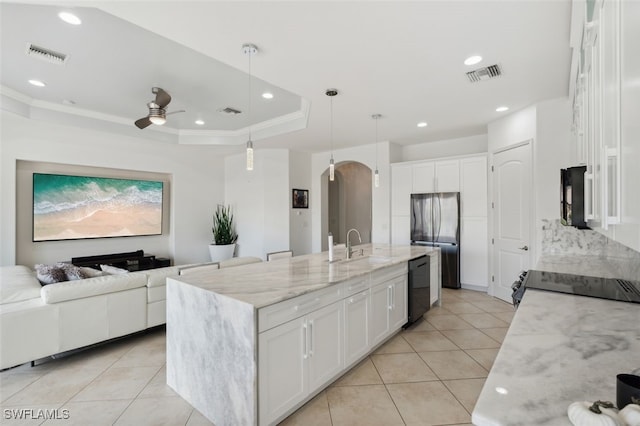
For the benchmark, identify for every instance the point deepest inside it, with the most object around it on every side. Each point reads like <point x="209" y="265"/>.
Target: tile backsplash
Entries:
<point x="567" y="240"/>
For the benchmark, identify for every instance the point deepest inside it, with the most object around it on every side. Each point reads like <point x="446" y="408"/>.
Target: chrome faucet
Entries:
<point x="349" y="251"/>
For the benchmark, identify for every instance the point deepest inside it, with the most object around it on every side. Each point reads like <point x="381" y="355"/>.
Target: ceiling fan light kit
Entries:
<point x="157" y="109"/>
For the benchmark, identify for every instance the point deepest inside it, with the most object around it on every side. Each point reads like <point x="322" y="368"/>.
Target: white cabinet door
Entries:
<point x="379" y="324"/>
<point x="357" y="313"/>
<point x="423" y="177"/>
<point x="281" y="366"/>
<point x="434" y="267"/>
<point x="473" y="187"/>
<point x="447" y="176"/>
<point x="398" y="303"/>
<point x="400" y="190"/>
<point x="400" y="230"/>
<point x="325" y="351"/>
<point x="474" y="252"/>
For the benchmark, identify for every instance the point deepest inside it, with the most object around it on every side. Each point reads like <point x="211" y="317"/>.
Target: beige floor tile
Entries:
<point x="10" y="384"/>
<point x="449" y="322"/>
<point x="497" y="334"/>
<point x="463" y="308"/>
<point x="118" y="383"/>
<point x="362" y="405"/>
<point x="364" y="373"/>
<point x="437" y="310"/>
<point x="495" y="305"/>
<point x="429" y="341"/>
<point x="168" y="411"/>
<point x="57" y="386"/>
<point x="421" y="325"/>
<point x="158" y="386"/>
<point x="427" y="403"/>
<point x="453" y="365"/>
<point x="27" y="415"/>
<point x="470" y="339"/>
<point x="483" y="320"/>
<point x="94" y="413"/>
<point x="484" y="357"/>
<point x="313" y="413"/>
<point x="471" y="295"/>
<point x="402" y="368"/>
<point x="466" y="391"/>
<point x="197" y="419"/>
<point x="504" y="316"/>
<point x="395" y="345"/>
<point x="144" y="355"/>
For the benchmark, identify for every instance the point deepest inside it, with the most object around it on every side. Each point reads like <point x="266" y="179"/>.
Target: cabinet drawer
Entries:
<point x="355" y="285"/>
<point x="386" y="274"/>
<point x="271" y="316"/>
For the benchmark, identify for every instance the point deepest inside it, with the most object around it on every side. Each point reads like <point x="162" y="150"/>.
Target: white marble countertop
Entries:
<point x="559" y="349"/>
<point x="266" y="283"/>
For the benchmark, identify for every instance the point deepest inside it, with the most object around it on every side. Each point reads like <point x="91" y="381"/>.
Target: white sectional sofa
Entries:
<point x="38" y="321"/>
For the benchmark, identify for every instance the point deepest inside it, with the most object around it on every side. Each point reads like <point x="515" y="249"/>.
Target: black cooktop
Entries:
<point x="603" y="288"/>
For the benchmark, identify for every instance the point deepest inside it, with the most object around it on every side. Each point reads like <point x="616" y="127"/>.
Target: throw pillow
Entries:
<point x="113" y="270"/>
<point x="72" y="271"/>
<point x="50" y="274"/>
<point x="90" y="272"/>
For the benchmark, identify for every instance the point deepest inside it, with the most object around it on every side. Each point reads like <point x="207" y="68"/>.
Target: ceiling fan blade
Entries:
<point x="162" y="97"/>
<point x="175" y="112"/>
<point x="143" y="122"/>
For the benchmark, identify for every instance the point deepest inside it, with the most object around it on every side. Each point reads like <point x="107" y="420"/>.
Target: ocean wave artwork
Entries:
<point x="76" y="207"/>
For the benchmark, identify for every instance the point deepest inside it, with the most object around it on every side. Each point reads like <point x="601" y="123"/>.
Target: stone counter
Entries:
<point x="561" y="348"/>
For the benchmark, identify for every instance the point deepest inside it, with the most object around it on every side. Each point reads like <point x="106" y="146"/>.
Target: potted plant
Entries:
<point x="224" y="234"/>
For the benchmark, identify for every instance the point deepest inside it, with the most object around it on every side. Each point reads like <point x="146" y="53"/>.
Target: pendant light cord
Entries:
<point x="250" y="90"/>
<point x="377" y="143"/>
<point x="331" y="122"/>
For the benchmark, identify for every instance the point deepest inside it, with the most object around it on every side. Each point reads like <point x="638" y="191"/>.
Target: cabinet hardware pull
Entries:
<point x="304" y="341"/>
<point x="355" y="286"/>
<point x="525" y="248"/>
<point x="311" y="338"/>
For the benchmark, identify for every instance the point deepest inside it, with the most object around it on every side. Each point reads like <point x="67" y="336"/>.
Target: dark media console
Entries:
<point x="131" y="261"/>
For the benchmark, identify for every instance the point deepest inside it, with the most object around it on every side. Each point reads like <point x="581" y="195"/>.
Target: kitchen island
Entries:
<point x="249" y="345"/>
<point x="559" y="349"/>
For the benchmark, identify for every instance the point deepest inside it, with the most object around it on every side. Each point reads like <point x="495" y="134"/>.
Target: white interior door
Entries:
<point x="512" y="194"/>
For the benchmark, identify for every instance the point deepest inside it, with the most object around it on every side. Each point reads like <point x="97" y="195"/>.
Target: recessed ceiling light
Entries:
<point x="422" y="124"/>
<point x="267" y="95"/>
<point x="200" y="122"/>
<point x="37" y="83"/>
<point x="502" y="109"/>
<point x="69" y="18"/>
<point x="472" y="60"/>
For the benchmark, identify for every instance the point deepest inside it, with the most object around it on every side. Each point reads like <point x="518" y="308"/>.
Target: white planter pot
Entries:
<point x="221" y="252"/>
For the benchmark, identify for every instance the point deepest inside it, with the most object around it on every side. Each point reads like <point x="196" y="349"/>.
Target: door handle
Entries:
<point x="525" y="248"/>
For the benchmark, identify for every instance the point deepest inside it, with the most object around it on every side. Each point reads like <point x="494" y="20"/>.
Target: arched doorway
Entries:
<point x="346" y="202"/>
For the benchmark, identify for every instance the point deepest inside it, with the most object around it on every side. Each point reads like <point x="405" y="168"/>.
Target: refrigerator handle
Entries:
<point x="439" y="218"/>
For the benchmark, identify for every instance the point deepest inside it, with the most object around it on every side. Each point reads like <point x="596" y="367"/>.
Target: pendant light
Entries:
<point x="249" y="49"/>
<point x="332" y="168"/>
<point x="376" y="175"/>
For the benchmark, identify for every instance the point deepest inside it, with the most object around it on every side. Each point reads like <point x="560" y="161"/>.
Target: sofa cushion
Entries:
<point x="158" y="277"/>
<point x="70" y="290"/>
<point x="113" y="270"/>
<point x="72" y="272"/>
<point x="18" y="283"/>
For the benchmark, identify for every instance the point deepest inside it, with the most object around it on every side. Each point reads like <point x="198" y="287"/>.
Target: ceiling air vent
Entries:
<point x="486" y="73"/>
<point x="229" y="110"/>
<point x="46" y="54"/>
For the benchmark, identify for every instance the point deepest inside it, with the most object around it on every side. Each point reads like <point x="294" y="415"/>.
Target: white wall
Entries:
<point x="299" y="219"/>
<point x="196" y="187"/>
<point x="381" y="210"/>
<point x="477" y="144"/>
<point x="511" y="129"/>
<point x="260" y="201"/>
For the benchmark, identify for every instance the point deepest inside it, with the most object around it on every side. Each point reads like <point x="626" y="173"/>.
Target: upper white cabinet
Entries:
<point x="606" y="104"/>
<point x="423" y="177"/>
<point x="473" y="187"/>
<point x="447" y="176"/>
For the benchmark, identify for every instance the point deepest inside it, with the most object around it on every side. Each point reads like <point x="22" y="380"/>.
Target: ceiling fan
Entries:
<point x="157" y="109"/>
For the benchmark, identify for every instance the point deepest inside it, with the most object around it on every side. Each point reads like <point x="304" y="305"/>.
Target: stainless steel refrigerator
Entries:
<point x="435" y="221"/>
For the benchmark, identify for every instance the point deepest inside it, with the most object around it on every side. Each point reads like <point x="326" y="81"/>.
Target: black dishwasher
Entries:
<point x="419" y="288"/>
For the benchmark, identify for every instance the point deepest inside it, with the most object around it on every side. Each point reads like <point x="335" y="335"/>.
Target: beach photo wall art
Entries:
<point x="77" y="207"/>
